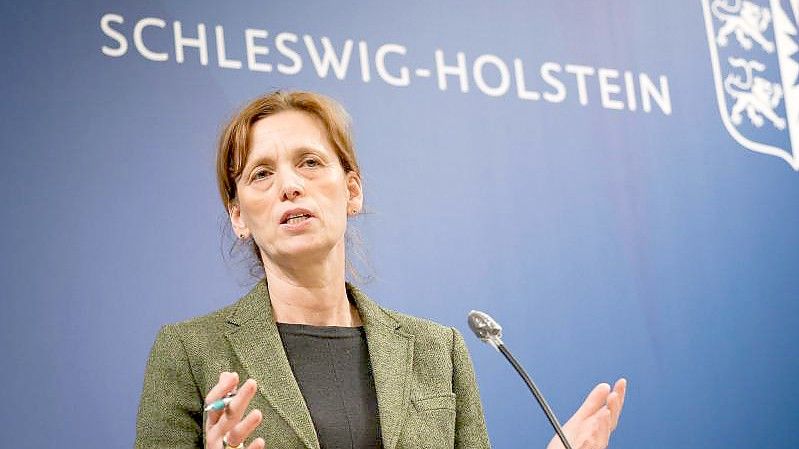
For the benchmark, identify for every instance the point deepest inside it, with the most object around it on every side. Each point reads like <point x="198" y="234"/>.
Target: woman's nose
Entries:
<point x="291" y="185"/>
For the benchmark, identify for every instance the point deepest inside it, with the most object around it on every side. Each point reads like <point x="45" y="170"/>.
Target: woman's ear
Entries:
<point x="355" y="190"/>
<point x="236" y="221"/>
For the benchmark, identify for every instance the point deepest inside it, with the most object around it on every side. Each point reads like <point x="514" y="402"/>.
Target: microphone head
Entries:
<point x="486" y="329"/>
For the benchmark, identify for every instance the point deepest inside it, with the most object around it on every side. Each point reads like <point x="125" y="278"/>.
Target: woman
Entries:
<point x="327" y="366"/>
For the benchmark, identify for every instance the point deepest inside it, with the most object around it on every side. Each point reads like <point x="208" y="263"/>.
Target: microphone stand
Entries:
<point x="489" y="331"/>
<point x="538" y="396"/>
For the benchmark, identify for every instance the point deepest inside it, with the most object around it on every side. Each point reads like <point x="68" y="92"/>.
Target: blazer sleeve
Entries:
<point x="171" y="406"/>
<point x="470" y="427"/>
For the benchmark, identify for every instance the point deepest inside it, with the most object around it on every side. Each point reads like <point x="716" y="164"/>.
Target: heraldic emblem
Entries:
<point x="755" y="56"/>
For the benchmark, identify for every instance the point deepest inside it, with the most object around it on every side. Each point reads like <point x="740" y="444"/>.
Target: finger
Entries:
<point x="596" y="399"/>
<point x="616" y="402"/>
<point x="242" y="430"/>
<point x="621" y="388"/>
<point x="614" y="405"/>
<point x="602" y="435"/>
<point x="259" y="443"/>
<point x="235" y="410"/>
<point x="227" y="383"/>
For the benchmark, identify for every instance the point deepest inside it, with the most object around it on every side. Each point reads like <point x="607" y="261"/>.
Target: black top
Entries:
<point x="331" y="365"/>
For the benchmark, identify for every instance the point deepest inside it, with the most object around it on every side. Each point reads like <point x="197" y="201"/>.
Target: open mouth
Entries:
<point x="294" y="219"/>
<point x="295" y="216"/>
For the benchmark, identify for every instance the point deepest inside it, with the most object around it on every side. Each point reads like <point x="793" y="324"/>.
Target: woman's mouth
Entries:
<point x="296" y="215"/>
<point x="294" y="219"/>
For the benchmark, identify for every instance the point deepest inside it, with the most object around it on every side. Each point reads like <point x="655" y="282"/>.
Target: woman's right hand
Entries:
<point x="230" y="421"/>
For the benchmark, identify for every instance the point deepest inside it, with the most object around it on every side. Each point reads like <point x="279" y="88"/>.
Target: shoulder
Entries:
<point x="254" y="303"/>
<point x="207" y="324"/>
<point x="421" y="327"/>
<point x="425" y="332"/>
<point x="434" y="338"/>
<point x="204" y="332"/>
<point x="373" y="312"/>
<point x="433" y="342"/>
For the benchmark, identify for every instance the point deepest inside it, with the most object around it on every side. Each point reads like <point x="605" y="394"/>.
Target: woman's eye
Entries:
<point x="260" y="174"/>
<point x="311" y="162"/>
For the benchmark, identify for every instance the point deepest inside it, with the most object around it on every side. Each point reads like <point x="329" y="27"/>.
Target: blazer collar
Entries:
<point x="256" y="341"/>
<point x="391" y="356"/>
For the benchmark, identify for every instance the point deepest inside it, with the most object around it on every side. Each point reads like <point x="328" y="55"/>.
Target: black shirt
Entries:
<point x="331" y="365"/>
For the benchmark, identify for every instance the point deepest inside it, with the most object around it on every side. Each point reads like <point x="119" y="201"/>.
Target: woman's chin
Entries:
<point x="306" y="250"/>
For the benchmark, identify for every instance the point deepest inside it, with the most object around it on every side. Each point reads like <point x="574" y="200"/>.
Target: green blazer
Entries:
<point x="426" y="389"/>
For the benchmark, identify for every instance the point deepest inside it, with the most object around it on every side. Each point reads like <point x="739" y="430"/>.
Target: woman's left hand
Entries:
<point x="595" y="420"/>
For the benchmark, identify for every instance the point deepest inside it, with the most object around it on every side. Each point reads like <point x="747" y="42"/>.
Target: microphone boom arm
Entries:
<point x="489" y="331"/>
<point x="538" y="396"/>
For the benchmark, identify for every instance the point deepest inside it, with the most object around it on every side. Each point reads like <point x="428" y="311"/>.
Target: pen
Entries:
<point x="219" y="404"/>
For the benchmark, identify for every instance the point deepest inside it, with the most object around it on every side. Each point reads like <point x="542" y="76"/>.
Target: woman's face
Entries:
<point x="293" y="195"/>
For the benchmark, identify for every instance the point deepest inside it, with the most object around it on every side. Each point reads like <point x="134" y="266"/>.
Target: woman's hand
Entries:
<point x="595" y="420"/>
<point x="228" y="422"/>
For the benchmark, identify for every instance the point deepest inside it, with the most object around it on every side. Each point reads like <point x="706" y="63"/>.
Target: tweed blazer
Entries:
<point x="426" y="389"/>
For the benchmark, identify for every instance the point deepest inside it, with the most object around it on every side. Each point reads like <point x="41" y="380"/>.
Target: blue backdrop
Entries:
<point x="577" y="169"/>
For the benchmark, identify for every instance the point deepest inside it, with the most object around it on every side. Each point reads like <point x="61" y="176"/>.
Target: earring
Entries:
<point x="241" y="236"/>
<point x="354" y="211"/>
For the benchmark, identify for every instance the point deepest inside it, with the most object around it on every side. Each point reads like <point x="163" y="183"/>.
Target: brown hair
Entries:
<point x="234" y="142"/>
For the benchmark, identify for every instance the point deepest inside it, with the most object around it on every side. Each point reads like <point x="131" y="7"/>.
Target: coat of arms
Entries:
<point x="755" y="65"/>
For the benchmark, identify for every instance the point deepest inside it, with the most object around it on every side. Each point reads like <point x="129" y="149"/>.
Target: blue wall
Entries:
<point x="627" y="236"/>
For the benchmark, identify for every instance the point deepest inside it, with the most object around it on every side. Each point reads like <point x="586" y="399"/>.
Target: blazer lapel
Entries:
<point x="391" y="356"/>
<point x="254" y="337"/>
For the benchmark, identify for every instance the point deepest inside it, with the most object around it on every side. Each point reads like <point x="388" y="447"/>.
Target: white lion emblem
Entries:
<point x="747" y="20"/>
<point x="755" y="95"/>
<point x="757" y="75"/>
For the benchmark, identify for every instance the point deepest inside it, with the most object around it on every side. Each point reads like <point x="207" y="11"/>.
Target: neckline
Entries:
<point x="320" y="331"/>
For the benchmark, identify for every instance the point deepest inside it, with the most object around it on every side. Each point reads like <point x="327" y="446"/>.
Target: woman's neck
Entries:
<point x="310" y="293"/>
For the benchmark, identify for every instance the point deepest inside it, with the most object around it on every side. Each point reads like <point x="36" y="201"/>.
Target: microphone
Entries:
<point x="489" y="331"/>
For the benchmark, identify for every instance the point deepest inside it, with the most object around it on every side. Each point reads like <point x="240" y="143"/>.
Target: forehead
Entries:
<point x="288" y="130"/>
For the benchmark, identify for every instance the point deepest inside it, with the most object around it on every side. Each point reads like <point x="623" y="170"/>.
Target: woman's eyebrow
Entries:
<point x="293" y="152"/>
<point x="259" y="160"/>
<point x="316" y="148"/>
